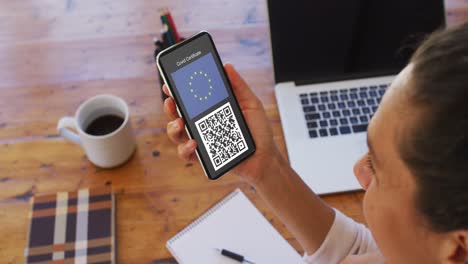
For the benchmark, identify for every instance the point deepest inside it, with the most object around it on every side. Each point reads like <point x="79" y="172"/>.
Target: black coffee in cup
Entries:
<point x="104" y="125"/>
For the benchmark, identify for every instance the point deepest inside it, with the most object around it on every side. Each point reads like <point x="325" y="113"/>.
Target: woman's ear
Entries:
<point x="362" y="172"/>
<point x="455" y="249"/>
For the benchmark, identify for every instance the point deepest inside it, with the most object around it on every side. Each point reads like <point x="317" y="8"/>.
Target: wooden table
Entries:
<point x="55" y="54"/>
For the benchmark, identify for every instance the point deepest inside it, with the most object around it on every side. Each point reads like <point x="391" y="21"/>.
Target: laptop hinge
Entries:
<point x="344" y="77"/>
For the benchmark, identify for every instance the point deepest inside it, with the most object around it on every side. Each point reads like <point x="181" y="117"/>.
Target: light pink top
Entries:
<point x="346" y="237"/>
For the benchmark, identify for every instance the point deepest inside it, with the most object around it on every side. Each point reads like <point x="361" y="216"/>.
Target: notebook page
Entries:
<point x="234" y="224"/>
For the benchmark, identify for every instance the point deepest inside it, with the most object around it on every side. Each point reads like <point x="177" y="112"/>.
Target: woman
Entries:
<point x="415" y="173"/>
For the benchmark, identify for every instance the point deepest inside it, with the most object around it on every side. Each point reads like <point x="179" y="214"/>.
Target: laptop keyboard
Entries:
<point x="341" y="112"/>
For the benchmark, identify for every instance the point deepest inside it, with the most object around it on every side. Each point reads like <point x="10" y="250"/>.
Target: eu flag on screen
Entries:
<point x="199" y="85"/>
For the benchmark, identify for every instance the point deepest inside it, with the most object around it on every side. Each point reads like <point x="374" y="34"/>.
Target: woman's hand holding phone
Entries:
<point x="251" y="170"/>
<point x="274" y="180"/>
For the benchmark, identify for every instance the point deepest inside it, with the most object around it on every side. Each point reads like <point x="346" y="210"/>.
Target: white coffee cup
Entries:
<point x="104" y="151"/>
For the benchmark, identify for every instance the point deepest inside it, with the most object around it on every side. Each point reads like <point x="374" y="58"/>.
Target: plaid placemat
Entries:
<point x="72" y="227"/>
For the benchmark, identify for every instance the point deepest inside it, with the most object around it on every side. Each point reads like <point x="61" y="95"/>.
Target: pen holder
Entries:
<point x="160" y="46"/>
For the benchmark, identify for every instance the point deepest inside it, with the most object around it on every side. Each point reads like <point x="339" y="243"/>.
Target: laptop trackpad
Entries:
<point x="327" y="165"/>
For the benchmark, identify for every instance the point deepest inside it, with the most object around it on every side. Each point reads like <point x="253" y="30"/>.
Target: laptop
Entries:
<point x="333" y="61"/>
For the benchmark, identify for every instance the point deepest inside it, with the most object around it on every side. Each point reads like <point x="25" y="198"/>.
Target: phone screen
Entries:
<point x="204" y="97"/>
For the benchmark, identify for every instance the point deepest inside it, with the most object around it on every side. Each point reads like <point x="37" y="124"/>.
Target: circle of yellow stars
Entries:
<point x="193" y="90"/>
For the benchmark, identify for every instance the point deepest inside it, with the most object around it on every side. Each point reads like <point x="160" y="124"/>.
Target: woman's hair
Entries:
<point x="436" y="150"/>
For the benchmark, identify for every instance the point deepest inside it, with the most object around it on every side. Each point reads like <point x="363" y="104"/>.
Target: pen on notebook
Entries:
<point x="233" y="256"/>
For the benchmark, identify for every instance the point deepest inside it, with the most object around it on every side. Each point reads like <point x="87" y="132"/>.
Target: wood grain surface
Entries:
<point x="55" y="54"/>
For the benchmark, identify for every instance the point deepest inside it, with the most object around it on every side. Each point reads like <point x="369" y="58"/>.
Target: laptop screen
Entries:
<point x="314" y="41"/>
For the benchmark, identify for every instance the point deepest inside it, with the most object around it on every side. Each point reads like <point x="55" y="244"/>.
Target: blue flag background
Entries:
<point x="200" y="85"/>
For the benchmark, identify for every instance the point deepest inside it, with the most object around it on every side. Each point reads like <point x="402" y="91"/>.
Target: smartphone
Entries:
<point x="195" y="76"/>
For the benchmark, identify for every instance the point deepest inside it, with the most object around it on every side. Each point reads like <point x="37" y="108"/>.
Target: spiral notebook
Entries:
<point x="234" y="224"/>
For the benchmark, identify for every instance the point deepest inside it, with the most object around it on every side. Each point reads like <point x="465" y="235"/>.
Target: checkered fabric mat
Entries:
<point x="72" y="227"/>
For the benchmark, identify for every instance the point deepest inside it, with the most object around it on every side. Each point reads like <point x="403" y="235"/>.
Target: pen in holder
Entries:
<point x="170" y="37"/>
<point x="160" y="46"/>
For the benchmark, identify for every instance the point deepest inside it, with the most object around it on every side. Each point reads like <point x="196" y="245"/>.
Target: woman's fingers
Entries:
<point x="166" y="90"/>
<point x="170" y="109"/>
<point x="186" y="150"/>
<point x="176" y="131"/>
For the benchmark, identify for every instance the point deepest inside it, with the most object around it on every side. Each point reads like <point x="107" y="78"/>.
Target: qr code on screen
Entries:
<point x="221" y="136"/>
